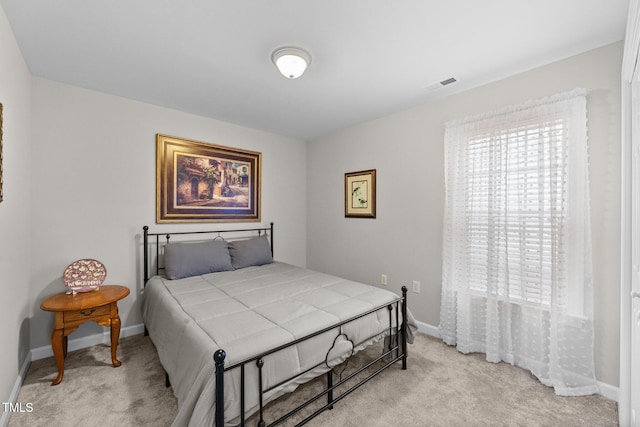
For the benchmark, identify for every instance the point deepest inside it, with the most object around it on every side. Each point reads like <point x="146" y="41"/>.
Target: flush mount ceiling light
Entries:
<point x="291" y="61"/>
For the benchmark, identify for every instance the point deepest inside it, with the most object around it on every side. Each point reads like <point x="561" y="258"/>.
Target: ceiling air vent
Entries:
<point x="448" y="81"/>
<point x="437" y="86"/>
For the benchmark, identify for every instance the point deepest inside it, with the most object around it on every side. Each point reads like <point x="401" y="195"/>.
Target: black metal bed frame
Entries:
<point x="396" y="349"/>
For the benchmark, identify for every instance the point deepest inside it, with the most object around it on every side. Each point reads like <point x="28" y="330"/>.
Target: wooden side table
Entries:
<point x="71" y="311"/>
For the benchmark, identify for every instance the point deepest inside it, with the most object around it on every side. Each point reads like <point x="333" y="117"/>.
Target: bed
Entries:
<point x="235" y="329"/>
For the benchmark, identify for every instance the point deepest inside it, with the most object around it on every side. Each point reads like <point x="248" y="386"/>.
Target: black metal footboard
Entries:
<point x="396" y="350"/>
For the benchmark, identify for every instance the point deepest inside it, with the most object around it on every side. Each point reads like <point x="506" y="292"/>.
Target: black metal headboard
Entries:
<point x="154" y="238"/>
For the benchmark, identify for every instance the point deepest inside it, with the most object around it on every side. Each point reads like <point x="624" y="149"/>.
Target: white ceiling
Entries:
<point x="370" y="57"/>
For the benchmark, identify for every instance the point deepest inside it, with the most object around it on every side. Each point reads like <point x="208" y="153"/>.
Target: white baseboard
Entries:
<point x="428" y="329"/>
<point x="88" y="341"/>
<point x="606" y="390"/>
<point x="609" y="391"/>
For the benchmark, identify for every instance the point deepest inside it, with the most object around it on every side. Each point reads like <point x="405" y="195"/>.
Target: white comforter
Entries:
<point x="246" y="312"/>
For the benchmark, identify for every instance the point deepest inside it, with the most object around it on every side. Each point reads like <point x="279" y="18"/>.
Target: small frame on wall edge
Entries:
<point x="360" y="194"/>
<point x="1" y="197"/>
<point x="201" y="182"/>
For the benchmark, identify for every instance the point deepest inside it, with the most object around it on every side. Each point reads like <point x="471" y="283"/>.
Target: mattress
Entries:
<point x="246" y="312"/>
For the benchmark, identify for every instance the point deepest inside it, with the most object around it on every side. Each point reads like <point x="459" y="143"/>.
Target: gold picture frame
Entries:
<point x="360" y="194"/>
<point x="201" y="182"/>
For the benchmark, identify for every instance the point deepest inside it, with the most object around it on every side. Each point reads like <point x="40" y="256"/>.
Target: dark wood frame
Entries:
<point x="201" y="182"/>
<point x="368" y="197"/>
<point x="396" y="349"/>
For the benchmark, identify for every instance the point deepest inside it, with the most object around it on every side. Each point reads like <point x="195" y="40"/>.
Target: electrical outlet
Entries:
<point x="416" y="286"/>
<point x="383" y="279"/>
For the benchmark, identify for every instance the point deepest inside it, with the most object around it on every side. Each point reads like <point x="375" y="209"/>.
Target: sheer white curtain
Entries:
<point x="516" y="280"/>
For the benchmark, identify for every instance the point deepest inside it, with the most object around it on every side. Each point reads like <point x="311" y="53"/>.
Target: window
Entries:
<point x="516" y="274"/>
<point x="515" y="207"/>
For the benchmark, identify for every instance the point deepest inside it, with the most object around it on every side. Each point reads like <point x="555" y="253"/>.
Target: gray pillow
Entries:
<point x="192" y="259"/>
<point x="249" y="252"/>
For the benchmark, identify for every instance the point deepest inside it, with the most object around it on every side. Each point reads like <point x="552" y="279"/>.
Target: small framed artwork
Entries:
<point x="202" y="182"/>
<point x="360" y="194"/>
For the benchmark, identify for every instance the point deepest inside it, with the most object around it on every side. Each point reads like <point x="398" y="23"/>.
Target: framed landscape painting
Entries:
<point x="202" y="182"/>
<point x="360" y="194"/>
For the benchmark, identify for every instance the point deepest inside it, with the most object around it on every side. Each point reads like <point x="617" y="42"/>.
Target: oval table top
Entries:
<point x="106" y="294"/>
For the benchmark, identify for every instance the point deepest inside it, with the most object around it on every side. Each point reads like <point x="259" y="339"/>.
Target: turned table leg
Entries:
<point x="115" y="335"/>
<point x="57" y="344"/>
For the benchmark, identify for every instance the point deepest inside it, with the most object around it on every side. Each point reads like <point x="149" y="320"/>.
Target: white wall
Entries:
<point x="405" y="239"/>
<point x="15" y="214"/>
<point x="93" y="168"/>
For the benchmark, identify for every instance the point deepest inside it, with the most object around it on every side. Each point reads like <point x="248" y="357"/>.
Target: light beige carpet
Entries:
<point x="441" y="388"/>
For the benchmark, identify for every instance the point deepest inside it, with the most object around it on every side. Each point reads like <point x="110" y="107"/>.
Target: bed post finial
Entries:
<point x="218" y="358"/>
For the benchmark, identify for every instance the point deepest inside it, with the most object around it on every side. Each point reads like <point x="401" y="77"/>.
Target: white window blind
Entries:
<point x="516" y="197"/>
<point x="516" y="280"/>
